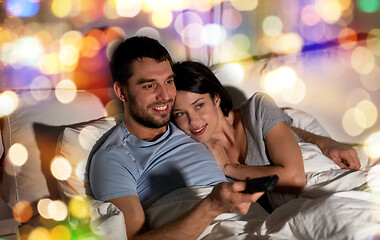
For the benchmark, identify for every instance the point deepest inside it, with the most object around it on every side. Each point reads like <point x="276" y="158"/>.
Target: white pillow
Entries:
<point x="76" y="144"/>
<point x="306" y="122"/>
<point x="313" y="158"/>
<point x="28" y="182"/>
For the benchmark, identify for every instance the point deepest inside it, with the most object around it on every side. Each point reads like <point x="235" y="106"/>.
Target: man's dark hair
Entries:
<point x="135" y="48"/>
<point x="196" y="77"/>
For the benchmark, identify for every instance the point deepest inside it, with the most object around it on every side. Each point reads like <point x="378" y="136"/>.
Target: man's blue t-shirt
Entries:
<point x="126" y="165"/>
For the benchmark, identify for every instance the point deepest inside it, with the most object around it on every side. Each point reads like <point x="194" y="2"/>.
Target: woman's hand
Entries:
<point x="217" y="149"/>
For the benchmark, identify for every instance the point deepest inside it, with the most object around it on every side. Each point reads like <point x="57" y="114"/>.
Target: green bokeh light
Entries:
<point x="368" y="6"/>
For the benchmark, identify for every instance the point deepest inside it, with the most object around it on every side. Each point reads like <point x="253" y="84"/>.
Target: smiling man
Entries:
<point x="146" y="156"/>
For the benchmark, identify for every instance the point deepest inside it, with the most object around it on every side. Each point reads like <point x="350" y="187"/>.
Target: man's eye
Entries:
<point x="148" y="86"/>
<point x="170" y="81"/>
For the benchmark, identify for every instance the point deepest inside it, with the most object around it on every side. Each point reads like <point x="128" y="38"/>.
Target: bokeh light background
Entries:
<point x="66" y="44"/>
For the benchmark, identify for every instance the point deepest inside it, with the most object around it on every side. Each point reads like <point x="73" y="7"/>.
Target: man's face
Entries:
<point x="150" y="93"/>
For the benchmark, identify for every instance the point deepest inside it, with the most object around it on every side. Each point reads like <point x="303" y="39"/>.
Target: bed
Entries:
<point x="335" y="204"/>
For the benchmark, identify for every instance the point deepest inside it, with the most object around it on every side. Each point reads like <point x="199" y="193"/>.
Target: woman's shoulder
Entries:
<point x="259" y="98"/>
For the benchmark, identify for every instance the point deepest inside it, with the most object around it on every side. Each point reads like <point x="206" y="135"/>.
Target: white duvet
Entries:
<point x="335" y="204"/>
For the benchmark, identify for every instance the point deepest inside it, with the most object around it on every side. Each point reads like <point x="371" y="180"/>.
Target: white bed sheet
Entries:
<point x="335" y="204"/>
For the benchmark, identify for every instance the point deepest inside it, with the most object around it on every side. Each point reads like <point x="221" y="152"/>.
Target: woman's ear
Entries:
<point x="119" y="91"/>
<point x="217" y="100"/>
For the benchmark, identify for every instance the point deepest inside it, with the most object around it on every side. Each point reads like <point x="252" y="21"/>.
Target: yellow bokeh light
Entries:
<point x="244" y="5"/>
<point x="174" y="5"/>
<point x="39" y="233"/>
<point x="279" y="79"/>
<point x="204" y="5"/>
<point x="296" y="93"/>
<point x="272" y="26"/>
<point x="113" y="107"/>
<point x="289" y="43"/>
<point x="42" y="207"/>
<point x="85" y="136"/>
<point x="73" y="38"/>
<point x="370" y="81"/>
<point x="69" y="55"/>
<point x="369" y="110"/>
<point x="9" y="102"/>
<point x="372" y="145"/>
<point x="241" y="42"/>
<point x="128" y="8"/>
<point x="373" y="41"/>
<point x="362" y="60"/>
<point x="57" y="210"/>
<point x="230" y="74"/>
<point x="60" y="232"/>
<point x="350" y="119"/>
<point x="60" y="168"/>
<point x="50" y="64"/>
<point x="79" y="206"/>
<point x="355" y="96"/>
<point x="81" y="170"/>
<point x="65" y="91"/>
<point x="37" y="87"/>
<point x="162" y="18"/>
<point x="6" y="36"/>
<point x="61" y="8"/>
<point x="18" y="154"/>
<point x="329" y="10"/>
<point x="109" y="9"/>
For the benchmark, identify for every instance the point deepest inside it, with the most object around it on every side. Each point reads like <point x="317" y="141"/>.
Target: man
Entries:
<point x="147" y="157"/>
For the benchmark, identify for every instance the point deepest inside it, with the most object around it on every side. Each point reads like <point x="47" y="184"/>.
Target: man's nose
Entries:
<point x="163" y="93"/>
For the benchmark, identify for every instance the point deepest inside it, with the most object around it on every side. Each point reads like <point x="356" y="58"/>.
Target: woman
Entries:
<point x="254" y="140"/>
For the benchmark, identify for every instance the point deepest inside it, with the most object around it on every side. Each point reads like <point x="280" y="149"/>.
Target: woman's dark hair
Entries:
<point x="135" y="48"/>
<point x="195" y="77"/>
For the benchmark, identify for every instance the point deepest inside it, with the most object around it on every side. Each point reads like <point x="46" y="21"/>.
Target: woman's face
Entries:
<point x="196" y="114"/>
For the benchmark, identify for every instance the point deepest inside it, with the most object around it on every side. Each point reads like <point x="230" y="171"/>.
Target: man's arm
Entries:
<point x="343" y="155"/>
<point x="225" y="197"/>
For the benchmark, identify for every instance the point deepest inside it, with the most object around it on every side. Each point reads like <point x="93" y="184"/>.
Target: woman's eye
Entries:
<point x="179" y="114"/>
<point x="199" y="105"/>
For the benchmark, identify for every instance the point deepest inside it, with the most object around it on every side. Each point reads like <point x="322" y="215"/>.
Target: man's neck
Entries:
<point x="143" y="132"/>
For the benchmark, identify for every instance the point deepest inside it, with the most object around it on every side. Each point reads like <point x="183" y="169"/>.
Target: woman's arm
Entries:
<point x="343" y="155"/>
<point x="287" y="159"/>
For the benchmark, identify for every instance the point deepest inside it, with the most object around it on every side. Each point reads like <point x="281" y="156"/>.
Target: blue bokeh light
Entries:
<point x="22" y="8"/>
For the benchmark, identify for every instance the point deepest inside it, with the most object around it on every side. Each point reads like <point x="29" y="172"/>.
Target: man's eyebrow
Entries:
<point x="171" y="76"/>
<point x="149" y="80"/>
<point x="145" y="80"/>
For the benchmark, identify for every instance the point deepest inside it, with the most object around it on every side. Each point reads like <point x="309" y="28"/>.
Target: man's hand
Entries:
<point x="227" y="198"/>
<point x="344" y="156"/>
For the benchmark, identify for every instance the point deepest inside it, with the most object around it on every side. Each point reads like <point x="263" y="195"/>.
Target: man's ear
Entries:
<point x="119" y="91"/>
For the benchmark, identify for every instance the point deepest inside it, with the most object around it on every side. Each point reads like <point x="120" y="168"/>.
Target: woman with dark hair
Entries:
<point x="254" y="140"/>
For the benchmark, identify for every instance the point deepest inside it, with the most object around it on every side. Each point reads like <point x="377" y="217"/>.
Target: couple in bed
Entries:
<point x="147" y="156"/>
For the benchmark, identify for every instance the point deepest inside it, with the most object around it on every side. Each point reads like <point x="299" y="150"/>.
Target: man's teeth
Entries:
<point x="161" y="108"/>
